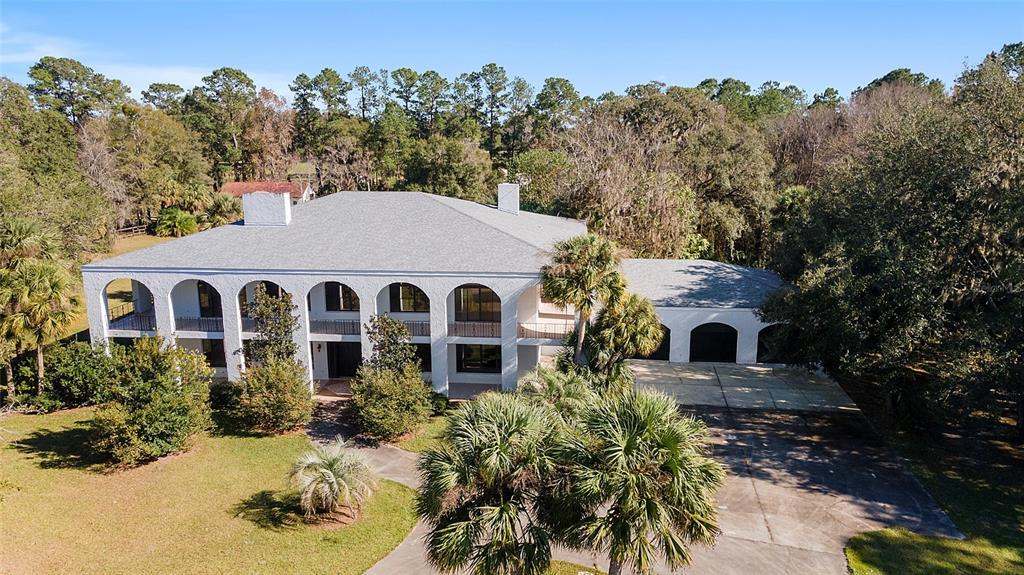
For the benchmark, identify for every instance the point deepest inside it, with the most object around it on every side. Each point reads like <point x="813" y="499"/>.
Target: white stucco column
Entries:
<point x="438" y="341"/>
<point x="301" y="333"/>
<point x="96" y="308"/>
<point x="232" y="316"/>
<point x="163" y="311"/>
<point x="367" y="309"/>
<point x="746" y="345"/>
<point x="509" y="347"/>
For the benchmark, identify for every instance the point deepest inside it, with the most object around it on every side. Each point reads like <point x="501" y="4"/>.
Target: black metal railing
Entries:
<point x="418" y="328"/>
<point x="117" y="312"/>
<point x="199" y="323"/>
<point x="545" y="330"/>
<point x="475" y="329"/>
<point x="135" y="322"/>
<point x="334" y="326"/>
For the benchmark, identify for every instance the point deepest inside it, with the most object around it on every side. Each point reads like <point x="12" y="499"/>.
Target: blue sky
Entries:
<point x="599" y="46"/>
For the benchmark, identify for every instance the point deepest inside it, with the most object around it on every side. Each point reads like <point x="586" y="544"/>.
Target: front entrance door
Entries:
<point x="343" y="358"/>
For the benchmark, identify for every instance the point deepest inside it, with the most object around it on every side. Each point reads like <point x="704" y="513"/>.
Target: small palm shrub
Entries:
<point x="175" y="222"/>
<point x="387" y="403"/>
<point x="330" y="478"/>
<point x="158" y="403"/>
<point x="273" y="397"/>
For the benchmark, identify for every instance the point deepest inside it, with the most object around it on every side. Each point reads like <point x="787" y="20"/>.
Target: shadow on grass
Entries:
<point x="271" y="510"/>
<point x="900" y="551"/>
<point x="64" y="448"/>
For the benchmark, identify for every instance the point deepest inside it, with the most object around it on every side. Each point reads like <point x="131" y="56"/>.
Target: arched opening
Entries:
<point x="474" y="310"/>
<point x="196" y="306"/>
<point x="129" y="305"/>
<point x="333" y="309"/>
<point x="408" y="304"/>
<point x="663" y="348"/>
<point x="769" y="344"/>
<point x="714" y="342"/>
<point x="247" y="295"/>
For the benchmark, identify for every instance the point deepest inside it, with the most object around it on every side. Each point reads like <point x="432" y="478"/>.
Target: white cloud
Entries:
<point x="27" y="47"/>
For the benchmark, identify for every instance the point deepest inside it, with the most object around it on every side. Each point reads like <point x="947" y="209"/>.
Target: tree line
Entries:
<point x="894" y="212"/>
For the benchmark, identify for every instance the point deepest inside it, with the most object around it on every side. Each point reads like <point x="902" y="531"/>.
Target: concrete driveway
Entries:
<point x="805" y="473"/>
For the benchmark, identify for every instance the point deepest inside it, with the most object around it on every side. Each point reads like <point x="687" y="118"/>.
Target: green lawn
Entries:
<point x="978" y="479"/>
<point x="223" y="507"/>
<point x="427" y="436"/>
<point x="563" y="568"/>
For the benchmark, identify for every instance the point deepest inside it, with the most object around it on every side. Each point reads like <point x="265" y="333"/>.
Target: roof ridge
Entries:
<point x="434" y="197"/>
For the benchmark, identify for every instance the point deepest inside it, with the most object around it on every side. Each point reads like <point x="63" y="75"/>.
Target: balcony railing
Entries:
<point x="475" y="329"/>
<point x="335" y="326"/>
<point x="545" y="330"/>
<point x="418" y="328"/>
<point x="145" y="321"/>
<point x="248" y="324"/>
<point x="199" y="323"/>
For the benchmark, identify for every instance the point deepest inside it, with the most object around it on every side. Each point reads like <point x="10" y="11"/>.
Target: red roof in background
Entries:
<point x="238" y="188"/>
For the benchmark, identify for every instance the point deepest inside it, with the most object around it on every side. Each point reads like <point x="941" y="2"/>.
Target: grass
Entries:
<point x="976" y="477"/>
<point x="222" y="507"/>
<point x="427" y="436"/>
<point x="120" y="291"/>
<point x="563" y="568"/>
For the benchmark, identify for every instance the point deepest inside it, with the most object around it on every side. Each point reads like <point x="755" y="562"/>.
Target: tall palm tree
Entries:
<point x="627" y="328"/>
<point x="41" y="303"/>
<point x="483" y="491"/>
<point x="331" y="477"/>
<point x="567" y="393"/>
<point x="583" y="273"/>
<point x="8" y="351"/>
<point x="640" y="475"/>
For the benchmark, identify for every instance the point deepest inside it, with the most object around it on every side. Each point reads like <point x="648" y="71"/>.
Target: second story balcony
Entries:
<point x="474" y="329"/>
<point x="334" y="326"/>
<point x="125" y="317"/>
<point x="207" y="324"/>
<point x="545" y="330"/>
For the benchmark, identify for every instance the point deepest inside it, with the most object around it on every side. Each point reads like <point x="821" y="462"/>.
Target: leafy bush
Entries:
<point x="273" y="397"/>
<point x="388" y="403"/>
<point x="158" y="403"/>
<point x="438" y="403"/>
<point x="331" y="477"/>
<point x="78" y="374"/>
<point x="175" y="222"/>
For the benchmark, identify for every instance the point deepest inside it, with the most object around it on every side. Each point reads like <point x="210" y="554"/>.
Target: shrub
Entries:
<point x="331" y="477"/>
<point x="78" y="374"/>
<point x="388" y="403"/>
<point x="438" y="403"/>
<point x="273" y="397"/>
<point x="158" y="403"/>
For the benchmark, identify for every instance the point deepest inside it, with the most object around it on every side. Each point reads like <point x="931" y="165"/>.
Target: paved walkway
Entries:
<point x="800" y="483"/>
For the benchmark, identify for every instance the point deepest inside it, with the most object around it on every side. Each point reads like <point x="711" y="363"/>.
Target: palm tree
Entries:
<point x="483" y="491"/>
<point x="21" y="241"/>
<point x="175" y="222"/>
<point x="331" y="477"/>
<point x="8" y="351"/>
<point x="584" y="272"/>
<point x="41" y="304"/>
<point x="643" y="482"/>
<point x="567" y="393"/>
<point x="626" y="328"/>
<point x="223" y="209"/>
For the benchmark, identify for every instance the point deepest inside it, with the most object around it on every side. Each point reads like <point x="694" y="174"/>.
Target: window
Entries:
<point x="423" y="353"/>
<point x="209" y="300"/>
<point x="478" y="358"/>
<point x="213" y="350"/>
<point x="407" y="297"/>
<point x="340" y="297"/>
<point x="477" y="303"/>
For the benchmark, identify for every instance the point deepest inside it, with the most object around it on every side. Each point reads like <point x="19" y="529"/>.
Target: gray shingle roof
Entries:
<point x="369" y="231"/>
<point x="699" y="283"/>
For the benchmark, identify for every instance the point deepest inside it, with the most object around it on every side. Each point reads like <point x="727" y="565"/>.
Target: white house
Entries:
<point x="464" y="277"/>
<point x="300" y="191"/>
